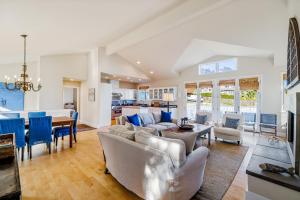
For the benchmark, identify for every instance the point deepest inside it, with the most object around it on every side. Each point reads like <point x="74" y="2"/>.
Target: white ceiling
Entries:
<point x="200" y="50"/>
<point x="238" y="28"/>
<point x="67" y="26"/>
<point x="165" y="35"/>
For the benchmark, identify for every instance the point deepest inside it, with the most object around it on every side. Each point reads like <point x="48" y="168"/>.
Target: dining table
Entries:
<point x="60" y="121"/>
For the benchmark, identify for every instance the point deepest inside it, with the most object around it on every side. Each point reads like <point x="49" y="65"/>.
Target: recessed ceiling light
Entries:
<point x="138" y="62"/>
<point x="151" y="72"/>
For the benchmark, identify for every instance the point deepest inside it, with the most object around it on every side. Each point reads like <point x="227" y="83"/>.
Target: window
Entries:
<point x="191" y="104"/>
<point x="205" y="89"/>
<point x="218" y="67"/>
<point x="227" y="88"/>
<point x="248" y="94"/>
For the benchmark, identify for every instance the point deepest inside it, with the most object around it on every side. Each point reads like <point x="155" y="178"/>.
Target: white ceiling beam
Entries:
<point x="183" y="13"/>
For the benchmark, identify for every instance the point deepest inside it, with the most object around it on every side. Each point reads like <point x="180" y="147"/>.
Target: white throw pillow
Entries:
<point x="122" y="131"/>
<point x="189" y="138"/>
<point x="172" y="147"/>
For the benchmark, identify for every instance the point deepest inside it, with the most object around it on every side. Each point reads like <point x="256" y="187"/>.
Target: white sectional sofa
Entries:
<point x="143" y="167"/>
<point x="150" y="120"/>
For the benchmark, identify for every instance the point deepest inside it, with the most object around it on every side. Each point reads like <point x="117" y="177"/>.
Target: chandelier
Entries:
<point x="23" y="82"/>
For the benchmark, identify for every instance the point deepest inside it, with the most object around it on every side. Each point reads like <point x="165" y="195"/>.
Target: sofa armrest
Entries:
<point x="197" y="158"/>
<point x="174" y="121"/>
<point x="218" y="124"/>
<point x="240" y="127"/>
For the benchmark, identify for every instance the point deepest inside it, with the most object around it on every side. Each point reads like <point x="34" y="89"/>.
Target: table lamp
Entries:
<point x="168" y="97"/>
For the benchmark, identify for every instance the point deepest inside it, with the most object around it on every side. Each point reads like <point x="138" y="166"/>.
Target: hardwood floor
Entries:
<point x="77" y="173"/>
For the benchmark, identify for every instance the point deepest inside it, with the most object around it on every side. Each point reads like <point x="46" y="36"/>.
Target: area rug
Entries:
<point x="84" y="127"/>
<point x="223" y="164"/>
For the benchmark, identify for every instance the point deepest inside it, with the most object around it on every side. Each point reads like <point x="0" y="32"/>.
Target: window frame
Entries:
<point x="216" y="69"/>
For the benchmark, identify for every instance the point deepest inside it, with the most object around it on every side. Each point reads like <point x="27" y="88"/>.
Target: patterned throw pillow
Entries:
<point x="157" y="117"/>
<point x="201" y="119"/>
<point x="122" y="131"/>
<point x="231" y="123"/>
<point x="189" y="138"/>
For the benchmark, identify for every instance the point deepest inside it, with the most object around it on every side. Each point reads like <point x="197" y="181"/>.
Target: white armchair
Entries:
<point x="230" y="133"/>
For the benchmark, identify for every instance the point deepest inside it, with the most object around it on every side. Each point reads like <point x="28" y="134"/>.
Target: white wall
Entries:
<point x="31" y="98"/>
<point x="89" y="110"/>
<point x="247" y="67"/>
<point x="294" y="9"/>
<point x="52" y="71"/>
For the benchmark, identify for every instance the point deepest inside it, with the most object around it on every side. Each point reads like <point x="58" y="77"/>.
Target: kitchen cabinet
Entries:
<point x="127" y="94"/>
<point x="151" y="94"/>
<point x="157" y="93"/>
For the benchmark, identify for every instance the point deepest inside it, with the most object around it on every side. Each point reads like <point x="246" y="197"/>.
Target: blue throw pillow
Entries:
<point x="134" y="119"/>
<point x="231" y="123"/>
<point x="201" y="119"/>
<point x="166" y="116"/>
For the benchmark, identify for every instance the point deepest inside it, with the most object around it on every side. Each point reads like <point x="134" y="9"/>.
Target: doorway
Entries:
<point x="71" y="95"/>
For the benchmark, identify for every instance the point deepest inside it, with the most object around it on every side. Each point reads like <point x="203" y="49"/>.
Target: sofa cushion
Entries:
<point x="134" y="119"/>
<point x="147" y="118"/>
<point x="157" y="127"/>
<point x="168" y="124"/>
<point x="227" y="131"/>
<point x="173" y="147"/>
<point x="157" y="117"/>
<point x="150" y="130"/>
<point x="189" y="138"/>
<point x="231" y="123"/>
<point x="122" y="131"/>
<point x="166" y="116"/>
<point x="130" y="126"/>
<point x="201" y="119"/>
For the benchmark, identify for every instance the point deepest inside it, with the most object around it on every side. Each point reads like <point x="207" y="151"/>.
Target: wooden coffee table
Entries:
<point x="199" y="129"/>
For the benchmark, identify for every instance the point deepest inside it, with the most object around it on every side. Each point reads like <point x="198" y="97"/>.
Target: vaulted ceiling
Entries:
<point x="234" y="28"/>
<point x="165" y="36"/>
<point x="67" y="26"/>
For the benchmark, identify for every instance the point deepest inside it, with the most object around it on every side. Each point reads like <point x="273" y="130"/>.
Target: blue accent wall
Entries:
<point x="11" y="100"/>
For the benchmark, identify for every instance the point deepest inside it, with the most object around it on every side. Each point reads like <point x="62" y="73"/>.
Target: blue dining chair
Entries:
<point x="5" y="115"/>
<point x="40" y="131"/>
<point x="65" y="130"/>
<point x="16" y="126"/>
<point x="36" y="114"/>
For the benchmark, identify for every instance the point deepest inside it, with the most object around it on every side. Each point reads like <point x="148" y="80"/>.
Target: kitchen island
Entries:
<point x="131" y="110"/>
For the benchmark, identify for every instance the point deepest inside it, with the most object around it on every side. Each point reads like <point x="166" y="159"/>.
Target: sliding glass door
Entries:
<point x="248" y="95"/>
<point x="206" y="96"/>
<point x="227" y="96"/>
<point x="191" y="103"/>
<point x="223" y="96"/>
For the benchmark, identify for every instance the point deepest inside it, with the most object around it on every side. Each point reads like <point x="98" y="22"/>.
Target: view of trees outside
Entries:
<point x="191" y="104"/>
<point x="227" y="98"/>
<point x="248" y="101"/>
<point x="206" y="99"/>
